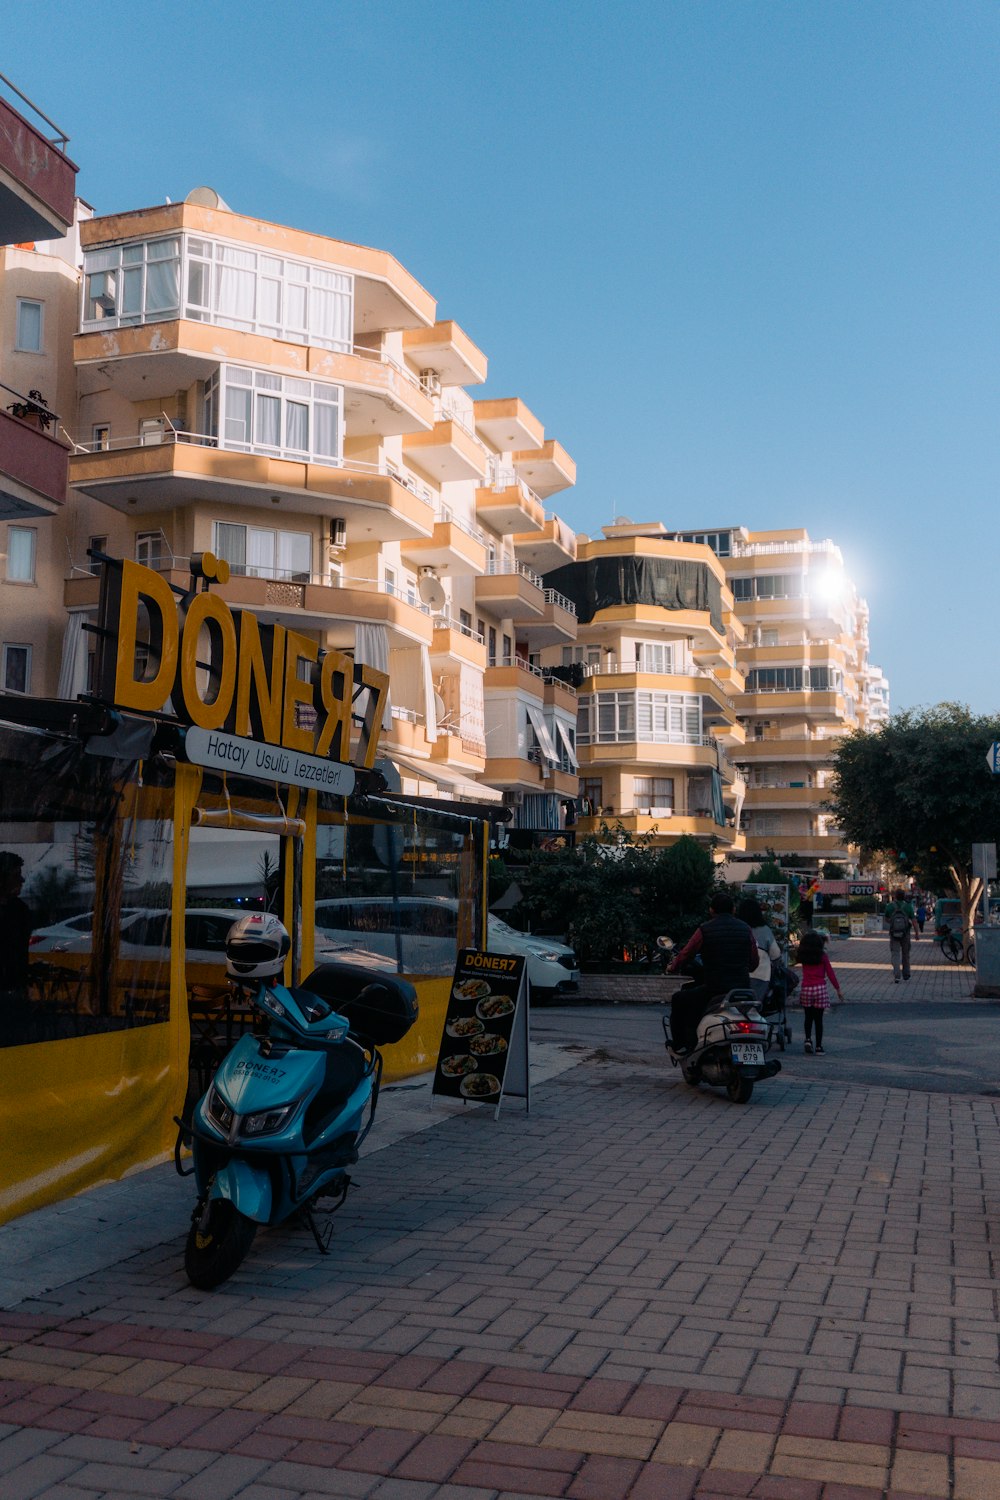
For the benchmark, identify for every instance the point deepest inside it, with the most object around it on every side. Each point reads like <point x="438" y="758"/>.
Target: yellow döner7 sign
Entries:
<point x="223" y="669"/>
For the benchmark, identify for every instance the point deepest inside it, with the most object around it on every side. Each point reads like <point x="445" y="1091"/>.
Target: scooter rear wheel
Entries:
<point x="217" y="1244"/>
<point x="739" y="1089"/>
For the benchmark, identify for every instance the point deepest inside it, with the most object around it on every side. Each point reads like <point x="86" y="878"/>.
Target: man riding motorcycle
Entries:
<point x="729" y="955"/>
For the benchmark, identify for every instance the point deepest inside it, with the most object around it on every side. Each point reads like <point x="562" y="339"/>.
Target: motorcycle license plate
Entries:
<point x="748" y="1052"/>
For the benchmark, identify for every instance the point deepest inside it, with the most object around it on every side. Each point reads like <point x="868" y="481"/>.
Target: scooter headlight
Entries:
<point x="218" y="1110"/>
<point x="267" y="1121"/>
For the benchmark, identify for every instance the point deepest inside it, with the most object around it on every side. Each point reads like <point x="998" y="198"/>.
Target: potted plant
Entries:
<point x="34" y="410"/>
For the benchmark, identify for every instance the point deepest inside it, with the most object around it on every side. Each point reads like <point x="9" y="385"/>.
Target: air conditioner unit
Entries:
<point x="535" y="756"/>
<point x="430" y="381"/>
<point x="338" y="532"/>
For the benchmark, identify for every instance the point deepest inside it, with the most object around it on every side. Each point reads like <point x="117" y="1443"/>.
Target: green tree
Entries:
<point x="917" y="792"/>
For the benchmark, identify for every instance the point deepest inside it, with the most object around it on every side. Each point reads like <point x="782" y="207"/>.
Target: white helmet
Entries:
<point x="256" y="946"/>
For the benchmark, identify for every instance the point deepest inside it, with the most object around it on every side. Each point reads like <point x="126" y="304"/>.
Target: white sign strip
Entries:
<point x="228" y="752"/>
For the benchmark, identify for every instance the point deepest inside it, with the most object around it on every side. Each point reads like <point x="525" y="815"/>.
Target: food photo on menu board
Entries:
<point x="478" y="1026"/>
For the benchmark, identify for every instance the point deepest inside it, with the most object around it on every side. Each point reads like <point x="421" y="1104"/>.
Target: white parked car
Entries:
<point x="419" y="934"/>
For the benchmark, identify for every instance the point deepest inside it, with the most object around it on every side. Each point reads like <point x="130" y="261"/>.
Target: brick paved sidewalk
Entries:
<point x="638" y="1290"/>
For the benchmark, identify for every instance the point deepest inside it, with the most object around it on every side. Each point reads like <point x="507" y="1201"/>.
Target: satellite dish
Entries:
<point x="206" y="197"/>
<point x="440" y="711"/>
<point x="430" y="590"/>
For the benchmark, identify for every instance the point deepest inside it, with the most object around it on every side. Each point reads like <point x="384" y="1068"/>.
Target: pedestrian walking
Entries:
<point x="901" y="925"/>
<point x="814" y="996"/>
<point x="921" y="915"/>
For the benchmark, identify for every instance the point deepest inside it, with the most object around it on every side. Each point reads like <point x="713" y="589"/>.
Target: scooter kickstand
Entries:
<point x="322" y="1237"/>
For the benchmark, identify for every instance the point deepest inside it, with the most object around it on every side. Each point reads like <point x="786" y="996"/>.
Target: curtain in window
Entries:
<point x="20" y="554"/>
<point x="73" y="669"/>
<point x="326" y="430"/>
<point x="236" y="280"/>
<point x="163" y="286"/>
<point x="267" y="429"/>
<point x="238" y="414"/>
<point x="294" y="555"/>
<point x="296" y="427"/>
<point x="371" y="646"/>
<point x="231" y="545"/>
<point x="260" y="553"/>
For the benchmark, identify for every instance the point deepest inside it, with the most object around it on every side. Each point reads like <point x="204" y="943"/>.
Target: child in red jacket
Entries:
<point x="814" y="997"/>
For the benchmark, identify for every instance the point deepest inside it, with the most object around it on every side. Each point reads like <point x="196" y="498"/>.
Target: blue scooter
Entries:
<point x="282" y="1120"/>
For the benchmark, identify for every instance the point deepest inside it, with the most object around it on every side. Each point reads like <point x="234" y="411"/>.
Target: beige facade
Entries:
<point x="295" y="405"/>
<point x="807" y="682"/>
<point x="655" y="667"/>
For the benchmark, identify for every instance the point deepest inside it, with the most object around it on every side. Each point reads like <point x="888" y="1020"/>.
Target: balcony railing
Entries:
<point x="59" y="138"/>
<point x="646" y="737"/>
<point x="504" y="563"/>
<point x="523" y="665"/>
<point x="552" y="596"/>
<point x="445" y="622"/>
<point x="775" y="549"/>
<point x="173" y="435"/>
<point x="506" y="479"/>
<point x="445" y="513"/>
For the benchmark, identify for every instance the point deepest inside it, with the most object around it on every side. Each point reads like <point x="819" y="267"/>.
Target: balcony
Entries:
<point x="557" y="624"/>
<point x="787" y="795"/>
<point x="547" y="468"/>
<point x="186" y="467"/>
<point x="663" y="829"/>
<point x="522" y="774"/>
<point x="806" y="846"/>
<point x="508" y="424"/>
<point x="509" y="589"/>
<point x="153" y="360"/>
<point x="316" y="603"/>
<point x="453" y="545"/>
<point x="548" y="548"/>
<point x="386" y="296"/>
<point x="33" y="466"/>
<point x="453" y="639"/>
<point x="447" y="452"/>
<point x="448" y="352"/>
<point x="508" y="506"/>
<point x="513" y="674"/>
<point x="808" y="750"/>
<point x="559" y="694"/>
<point x="37" y="178"/>
<point x="808" y="704"/>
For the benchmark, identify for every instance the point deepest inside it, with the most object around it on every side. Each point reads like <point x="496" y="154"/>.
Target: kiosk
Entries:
<point x="221" y="765"/>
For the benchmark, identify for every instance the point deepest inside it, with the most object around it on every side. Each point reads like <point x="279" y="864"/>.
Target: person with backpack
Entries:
<point x="901" y="924"/>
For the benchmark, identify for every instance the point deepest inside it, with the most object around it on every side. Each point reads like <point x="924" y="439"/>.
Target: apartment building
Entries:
<point x="655" y="667"/>
<point x="807" y="682"/>
<point x="37" y="319"/>
<point x="295" y="405"/>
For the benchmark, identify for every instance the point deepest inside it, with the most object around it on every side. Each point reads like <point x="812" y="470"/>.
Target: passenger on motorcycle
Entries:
<point x="729" y="954"/>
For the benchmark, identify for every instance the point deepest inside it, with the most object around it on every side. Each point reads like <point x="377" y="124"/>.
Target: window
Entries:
<point x="660" y="718"/>
<point x="257" y="552"/>
<point x="765" y="823"/>
<point x="465" y="619"/>
<point x="17" y="669"/>
<point x="151" y="549"/>
<point x="719" y="541"/>
<point x="492" y="646"/>
<point x="775" y="680"/>
<point x="779" y="586"/>
<point x="21" y="554"/>
<point x="652" y="791"/>
<point x="654" y="657"/>
<point x="28" y="338"/>
<point x="230" y="285"/>
<point x="390" y="580"/>
<point x="96" y="544"/>
<point x="768" y="638"/>
<point x="742" y="588"/>
<point x="100" y="436"/>
<point x="592" y="791"/>
<point x="255" y="411"/>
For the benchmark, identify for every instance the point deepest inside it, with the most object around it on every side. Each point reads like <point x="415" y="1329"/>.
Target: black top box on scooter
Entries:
<point x="381" y="1007"/>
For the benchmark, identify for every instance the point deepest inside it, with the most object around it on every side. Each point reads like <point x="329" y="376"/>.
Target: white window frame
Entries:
<point x="96" y="544"/>
<point x="19" y="345"/>
<point x="100" y="436"/>
<point x="8" y="647"/>
<point x="228" y="382"/>
<point x="298" y="283"/>
<point x="29" y="531"/>
<point x="256" y="535"/>
<point x="151" y="549"/>
<point x="640" y="717"/>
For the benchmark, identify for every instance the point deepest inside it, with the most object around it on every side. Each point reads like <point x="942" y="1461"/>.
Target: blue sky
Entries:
<point x="739" y="257"/>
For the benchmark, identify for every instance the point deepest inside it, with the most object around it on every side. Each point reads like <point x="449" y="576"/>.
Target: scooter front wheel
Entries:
<point x="739" y="1089"/>
<point x="217" y="1243"/>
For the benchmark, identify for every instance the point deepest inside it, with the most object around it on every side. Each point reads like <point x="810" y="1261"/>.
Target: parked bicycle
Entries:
<point x="952" y="948"/>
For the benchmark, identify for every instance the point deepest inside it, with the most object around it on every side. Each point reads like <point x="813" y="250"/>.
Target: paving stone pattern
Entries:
<point x="637" y="1292"/>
